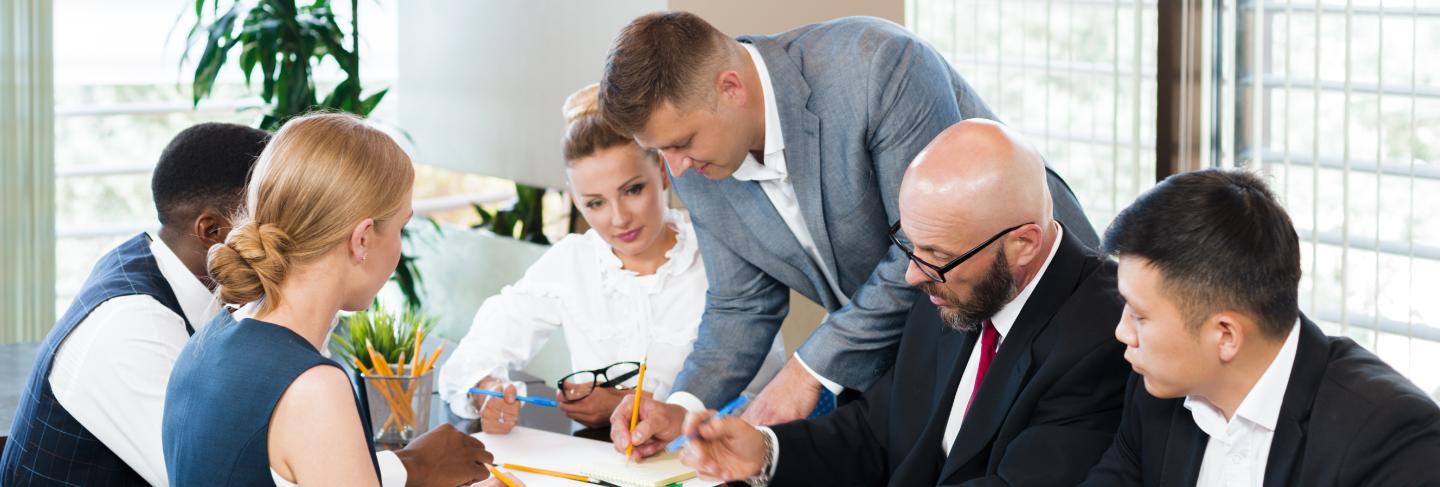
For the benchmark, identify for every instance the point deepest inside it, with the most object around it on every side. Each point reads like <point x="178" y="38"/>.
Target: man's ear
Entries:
<point x="1027" y="240"/>
<point x="1231" y="335"/>
<point x="731" y="88"/>
<point x="210" y="227"/>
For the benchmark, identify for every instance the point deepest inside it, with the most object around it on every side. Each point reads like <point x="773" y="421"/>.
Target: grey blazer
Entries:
<point x="858" y="99"/>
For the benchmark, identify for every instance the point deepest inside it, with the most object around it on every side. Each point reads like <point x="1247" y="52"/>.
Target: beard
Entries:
<point x="988" y="297"/>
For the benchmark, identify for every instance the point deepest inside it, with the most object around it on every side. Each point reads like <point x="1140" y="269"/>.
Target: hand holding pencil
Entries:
<point x="657" y="424"/>
<point x="723" y="448"/>
<point x="497" y="415"/>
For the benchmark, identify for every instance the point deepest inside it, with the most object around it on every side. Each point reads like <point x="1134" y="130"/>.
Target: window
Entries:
<point x="1330" y="99"/>
<point x="1076" y="77"/>
<point x="119" y="99"/>
<point x="1333" y="101"/>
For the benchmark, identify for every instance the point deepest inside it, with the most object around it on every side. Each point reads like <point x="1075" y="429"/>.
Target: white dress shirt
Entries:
<point x="774" y="180"/>
<point x="1239" y="448"/>
<point x="110" y="373"/>
<point x="608" y="315"/>
<point x="1002" y="321"/>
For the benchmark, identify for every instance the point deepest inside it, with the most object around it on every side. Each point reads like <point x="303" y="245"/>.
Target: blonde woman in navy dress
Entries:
<point x="253" y="402"/>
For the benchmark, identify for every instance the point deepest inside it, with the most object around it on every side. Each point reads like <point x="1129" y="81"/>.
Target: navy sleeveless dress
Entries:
<point x="222" y="393"/>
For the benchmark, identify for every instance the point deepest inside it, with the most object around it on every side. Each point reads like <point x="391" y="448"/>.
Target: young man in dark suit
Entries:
<point x="1007" y="372"/>
<point x="1235" y="387"/>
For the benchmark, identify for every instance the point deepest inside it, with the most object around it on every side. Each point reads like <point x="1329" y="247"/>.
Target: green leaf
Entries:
<point x="269" y="49"/>
<point x="368" y="104"/>
<point x="217" y="43"/>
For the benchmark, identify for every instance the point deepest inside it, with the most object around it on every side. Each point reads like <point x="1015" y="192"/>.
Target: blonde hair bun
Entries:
<point x="251" y="263"/>
<point x="319" y="176"/>
<point x="582" y="103"/>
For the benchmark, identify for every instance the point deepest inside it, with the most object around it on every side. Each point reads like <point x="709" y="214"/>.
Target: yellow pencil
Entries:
<point x="635" y="410"/>
<point x="552" y="473"/>
<point x="495" y="472"/>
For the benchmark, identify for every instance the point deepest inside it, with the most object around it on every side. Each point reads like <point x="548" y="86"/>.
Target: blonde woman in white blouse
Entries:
<point x="631" y="287"/>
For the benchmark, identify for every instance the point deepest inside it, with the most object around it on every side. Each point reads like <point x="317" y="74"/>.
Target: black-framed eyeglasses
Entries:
<point x="935" y="272"/>
<point x="579" y="385"/>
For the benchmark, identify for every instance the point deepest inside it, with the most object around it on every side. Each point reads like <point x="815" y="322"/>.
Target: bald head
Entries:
<point x="978" y="177"/>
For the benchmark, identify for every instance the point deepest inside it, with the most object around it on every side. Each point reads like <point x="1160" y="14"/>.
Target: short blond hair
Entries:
<point x="320" y="176"/>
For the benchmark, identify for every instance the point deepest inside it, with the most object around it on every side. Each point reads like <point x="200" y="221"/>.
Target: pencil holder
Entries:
<point x="399" y="406"/>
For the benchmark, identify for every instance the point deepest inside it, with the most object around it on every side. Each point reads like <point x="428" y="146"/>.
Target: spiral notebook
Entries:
<point x="657" y="471"/>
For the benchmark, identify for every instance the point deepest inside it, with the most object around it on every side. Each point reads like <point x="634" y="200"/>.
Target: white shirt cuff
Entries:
<point x="392" y="470"/>
<point x="774" y="454"/>
<point x="686" y="400"/>
<point x="834" y="387"/>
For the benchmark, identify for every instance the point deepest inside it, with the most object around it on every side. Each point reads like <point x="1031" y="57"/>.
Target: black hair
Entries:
<point x="1220" y="240"/>
<point x="205" y="166"/>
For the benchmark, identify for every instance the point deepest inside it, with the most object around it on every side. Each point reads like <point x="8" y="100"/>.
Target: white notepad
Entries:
<point x="565" y="453"/>
<point x="657" y="471"/>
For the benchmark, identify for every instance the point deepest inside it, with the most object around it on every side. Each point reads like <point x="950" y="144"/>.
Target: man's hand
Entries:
<point x="659" y="423"/>
<point x="595" y="409"/>
<point x="444" y="457"/>
<point x="726" y="449"/>
<point x="497" y="416"/>
<point x="791" y="395"/>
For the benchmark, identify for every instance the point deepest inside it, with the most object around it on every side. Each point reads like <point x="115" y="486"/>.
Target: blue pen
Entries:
<point x="734" y="405"/>
<point x="538" y="401"/>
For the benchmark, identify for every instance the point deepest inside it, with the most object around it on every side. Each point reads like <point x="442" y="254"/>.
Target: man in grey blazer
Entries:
<point x="798" y="141"/>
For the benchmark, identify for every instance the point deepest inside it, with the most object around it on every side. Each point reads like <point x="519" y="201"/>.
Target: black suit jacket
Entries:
<point x="1347" y="419"/>
<point x="1047" y="409"/>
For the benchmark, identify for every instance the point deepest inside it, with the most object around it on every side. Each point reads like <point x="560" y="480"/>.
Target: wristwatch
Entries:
<point x="767" y="468"/>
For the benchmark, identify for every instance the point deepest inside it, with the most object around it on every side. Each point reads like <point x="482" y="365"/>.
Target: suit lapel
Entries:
<point x="953" y="350"/>
<point x="751" y="204"/>
<point x="801" y="130"/>
<point x="1311" y="359"/>
<point x="1011" y="368"/>
<point x="1184" y="450"/>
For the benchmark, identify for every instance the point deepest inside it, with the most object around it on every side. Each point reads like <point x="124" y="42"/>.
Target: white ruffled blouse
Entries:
<point x="608" y="315"/>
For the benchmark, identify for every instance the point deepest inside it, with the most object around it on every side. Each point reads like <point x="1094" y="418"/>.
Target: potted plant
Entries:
<point x="386" y="349"/>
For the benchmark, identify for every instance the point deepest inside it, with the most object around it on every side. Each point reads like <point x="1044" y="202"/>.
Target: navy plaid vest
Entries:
<point x="47" y="446"/>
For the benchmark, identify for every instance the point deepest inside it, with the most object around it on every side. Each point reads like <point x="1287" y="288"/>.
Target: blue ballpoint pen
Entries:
<point x="538" y="401"/>
<point x="730" y="408"/>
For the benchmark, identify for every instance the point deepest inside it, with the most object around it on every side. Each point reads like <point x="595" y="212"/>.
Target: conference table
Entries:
<point x="545" y="419"/>
<point x="15" y="363"/>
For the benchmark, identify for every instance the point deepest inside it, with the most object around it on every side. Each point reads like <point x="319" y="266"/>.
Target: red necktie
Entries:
<point x="989" y="339"/>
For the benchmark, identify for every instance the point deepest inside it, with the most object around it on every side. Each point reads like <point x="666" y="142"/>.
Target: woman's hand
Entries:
<point x="497" y="416"/>
<point x="594" y="410"/>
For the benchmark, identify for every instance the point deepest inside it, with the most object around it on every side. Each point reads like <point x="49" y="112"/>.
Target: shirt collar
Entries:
<point x="774" y="166"/>
<point x="677" y="260"/>
<point x="198" y="303"/>
<point x="1005" y="318"/>
<point x="1261" y="405"/>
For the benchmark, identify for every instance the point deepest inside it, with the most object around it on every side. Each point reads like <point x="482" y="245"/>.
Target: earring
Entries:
<point x="362" y="258"/>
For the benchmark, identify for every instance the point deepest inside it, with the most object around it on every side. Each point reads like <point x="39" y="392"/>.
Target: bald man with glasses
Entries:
<point x="1008" y="372"/>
